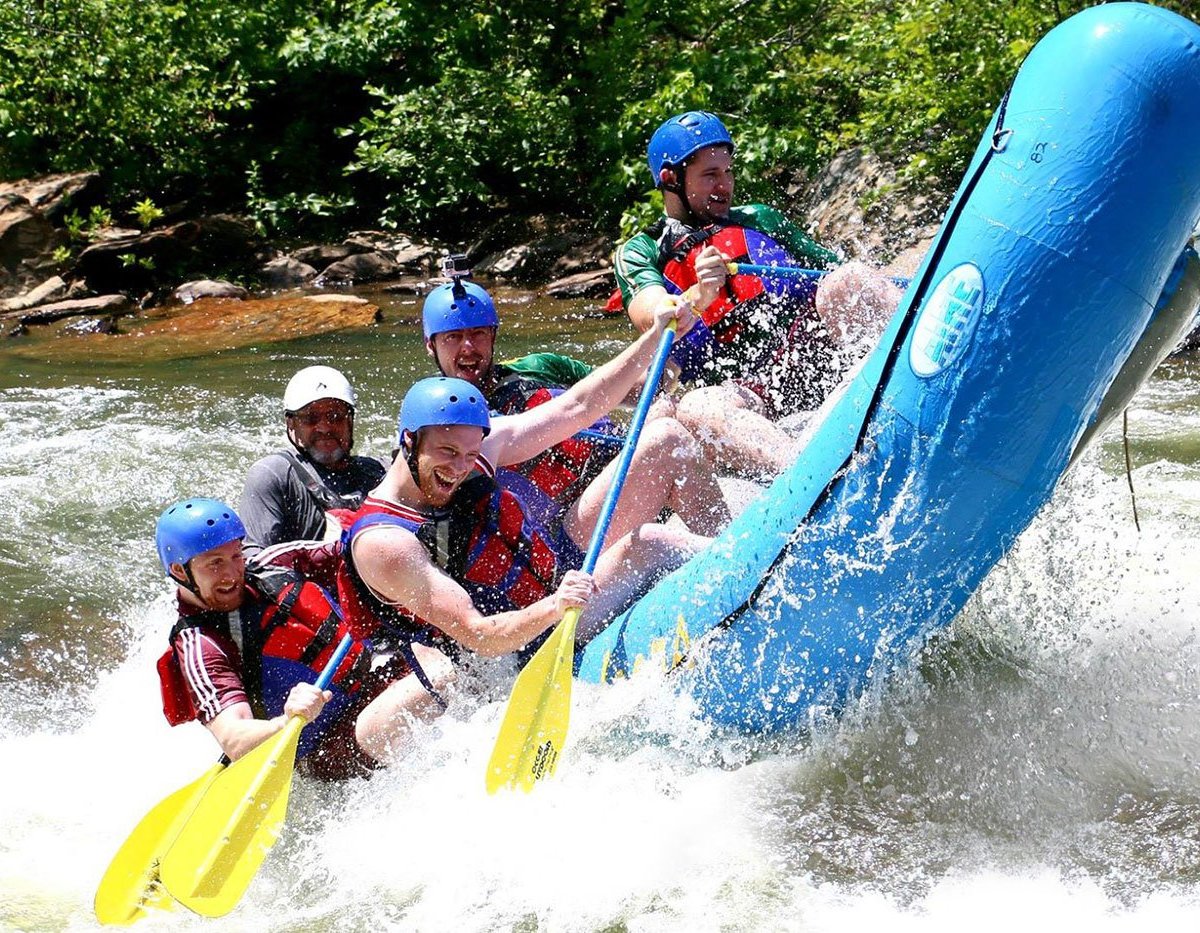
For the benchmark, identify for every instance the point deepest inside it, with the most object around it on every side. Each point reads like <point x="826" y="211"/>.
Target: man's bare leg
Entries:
<point x="669" y="470"/>
<point x="625" y="569"/>
<point x="730" y="423"/>
<point x="855" y="302"/>
<point x="384" y="729"/>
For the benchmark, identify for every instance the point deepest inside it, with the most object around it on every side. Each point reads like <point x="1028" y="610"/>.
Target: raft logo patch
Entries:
<point x="948" y="320"/>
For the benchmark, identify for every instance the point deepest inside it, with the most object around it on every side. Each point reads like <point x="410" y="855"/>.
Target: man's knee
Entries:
<point x="705" y="404"/>
<point x="854" y="301"/>
<point x="667" y="439"/>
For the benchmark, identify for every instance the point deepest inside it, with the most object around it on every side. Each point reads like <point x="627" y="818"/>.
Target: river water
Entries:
<point x="1035" y="769"/>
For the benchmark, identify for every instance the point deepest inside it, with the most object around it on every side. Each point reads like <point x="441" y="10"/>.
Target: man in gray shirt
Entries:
<point x="288" y="493"/>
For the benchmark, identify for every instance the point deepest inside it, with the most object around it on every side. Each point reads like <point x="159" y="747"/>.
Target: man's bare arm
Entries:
<point x="395" y="564"/>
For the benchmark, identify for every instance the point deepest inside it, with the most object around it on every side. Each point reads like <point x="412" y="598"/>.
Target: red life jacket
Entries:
<point x="761" y="330"/>
<point x="484" y="541"/>
<point x="289" y="629"/>
<point x="563" y="472"/>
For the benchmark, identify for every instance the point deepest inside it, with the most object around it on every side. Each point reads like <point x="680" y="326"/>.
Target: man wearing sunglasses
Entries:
<point x="288" y="494"/>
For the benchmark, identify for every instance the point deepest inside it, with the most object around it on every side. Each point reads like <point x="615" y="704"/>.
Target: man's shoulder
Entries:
<point x="640" y="242"/>
<point x="274" y="466"/>
<point x="761" y="217"/>
<point x="204" y="628"/>
<point x="553" y="370"/>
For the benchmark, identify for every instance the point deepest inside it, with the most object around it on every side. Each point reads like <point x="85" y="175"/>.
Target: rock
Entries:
<point x="529" y="262"/>
<point x="56" y="311"/>
<point x="361" y="267"/>
<point x="596" y="284"/>
<point x="50" y="290"/>
<point x="346" y="300"/>
<point x="25" y="232"/>
<point x="209" y="288"/>
<point x="54" y="195"/>
<point x="322" y="255"/>
<point x="858" y="205"/>
<point x="206" y="326"/>
<point x="419" y="257"/>
<point x="409" y="254"/>
<point x="286" y="271"/>
<point x="136" y="261"/>
<point x="419" y="288"/>
<point x="587" y="256"/>
<point x="92" y="325"/>
<point x="507" y="232"/>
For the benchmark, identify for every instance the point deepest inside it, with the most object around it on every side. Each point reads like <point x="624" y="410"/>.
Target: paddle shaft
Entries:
<point x="534" y="728"/>
<point x="649" y="387"/>
<point x="248" y="808"/>
<point x="790" y="272"/>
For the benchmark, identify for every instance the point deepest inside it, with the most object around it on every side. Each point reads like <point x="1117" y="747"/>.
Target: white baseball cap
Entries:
<point x="316" y="382"/>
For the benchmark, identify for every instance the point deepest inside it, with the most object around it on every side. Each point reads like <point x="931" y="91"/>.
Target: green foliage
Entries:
<point x="130" y="261"/>
<point x="146" y="212"/>
<point x="81" y="228"/>
<point x="410" y="112"/>
<point x="441" y="155"/>
<point x="147" y="92"/>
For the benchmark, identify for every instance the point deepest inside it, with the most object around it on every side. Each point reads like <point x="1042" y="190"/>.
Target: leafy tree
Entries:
<point x="418" y="113"/>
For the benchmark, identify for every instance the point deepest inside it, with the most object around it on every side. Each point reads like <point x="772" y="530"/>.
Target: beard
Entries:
<point x="223" y="602"/>
<point x="437" y="493"/>
<point x="328" y="458"/>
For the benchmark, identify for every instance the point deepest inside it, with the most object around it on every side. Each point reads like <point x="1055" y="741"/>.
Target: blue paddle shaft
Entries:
<point x="795" y="272"/>
<point x="653" y="377"/>
<point x="339" y="655"/>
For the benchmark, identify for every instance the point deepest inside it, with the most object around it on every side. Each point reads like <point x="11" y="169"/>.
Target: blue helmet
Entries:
<point x="191" y="527"/>
<point x="683" y="136"/>
<point x="458" y="306"/>
<point x="443" y="400"/>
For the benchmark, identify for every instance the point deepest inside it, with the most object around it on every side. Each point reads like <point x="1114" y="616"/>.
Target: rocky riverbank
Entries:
<point x="62" y="256"/>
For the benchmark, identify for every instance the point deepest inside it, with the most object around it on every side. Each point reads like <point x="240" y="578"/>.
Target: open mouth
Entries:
<point x="443" y="482"/>
<point x="468" y="370"/>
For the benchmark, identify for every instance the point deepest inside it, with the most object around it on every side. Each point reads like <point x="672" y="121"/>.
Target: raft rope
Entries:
<point x="1129" y="467"/>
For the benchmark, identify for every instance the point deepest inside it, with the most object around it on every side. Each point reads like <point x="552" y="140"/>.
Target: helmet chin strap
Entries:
<point x="676" y="187"/>
<point x="190" y="583"/>
<point x="410" y="455"/>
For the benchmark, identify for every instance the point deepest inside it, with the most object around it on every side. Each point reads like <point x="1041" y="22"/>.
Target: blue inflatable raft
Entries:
<point x="1060" y="277"/>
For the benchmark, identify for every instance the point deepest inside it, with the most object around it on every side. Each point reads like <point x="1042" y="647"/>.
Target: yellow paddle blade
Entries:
<point x="534" y="729"/>
<point x="217" y="854"/>
<point x="131" y="886"/>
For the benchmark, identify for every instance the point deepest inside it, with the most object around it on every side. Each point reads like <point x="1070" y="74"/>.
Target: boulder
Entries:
<point x="323" y="254"/>
<point x="56" y="311"/>
<point x="286" y="271"/>
<point x="92" y="325"/>
<point x="531" y="262"/>
<point x="50" y="290"/>
<point x="588" y="256"/>
<point x="209" y="288"/>
<point x="25" y="233"/>
<point x="137" y="261"/>
<point x="54" y="195"/>
<point x="507" y="232"/>
<point x="361" y="267"/>
<point x="859" y="206"/>
<point x="411" y="255"/>
<point x="598" y="283"/>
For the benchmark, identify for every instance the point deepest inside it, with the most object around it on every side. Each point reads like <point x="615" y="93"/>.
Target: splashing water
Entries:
<point x="1034" y="770"/>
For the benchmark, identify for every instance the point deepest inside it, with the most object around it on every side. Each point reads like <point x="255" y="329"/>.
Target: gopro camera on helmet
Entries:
<point x="455" y="267"/>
